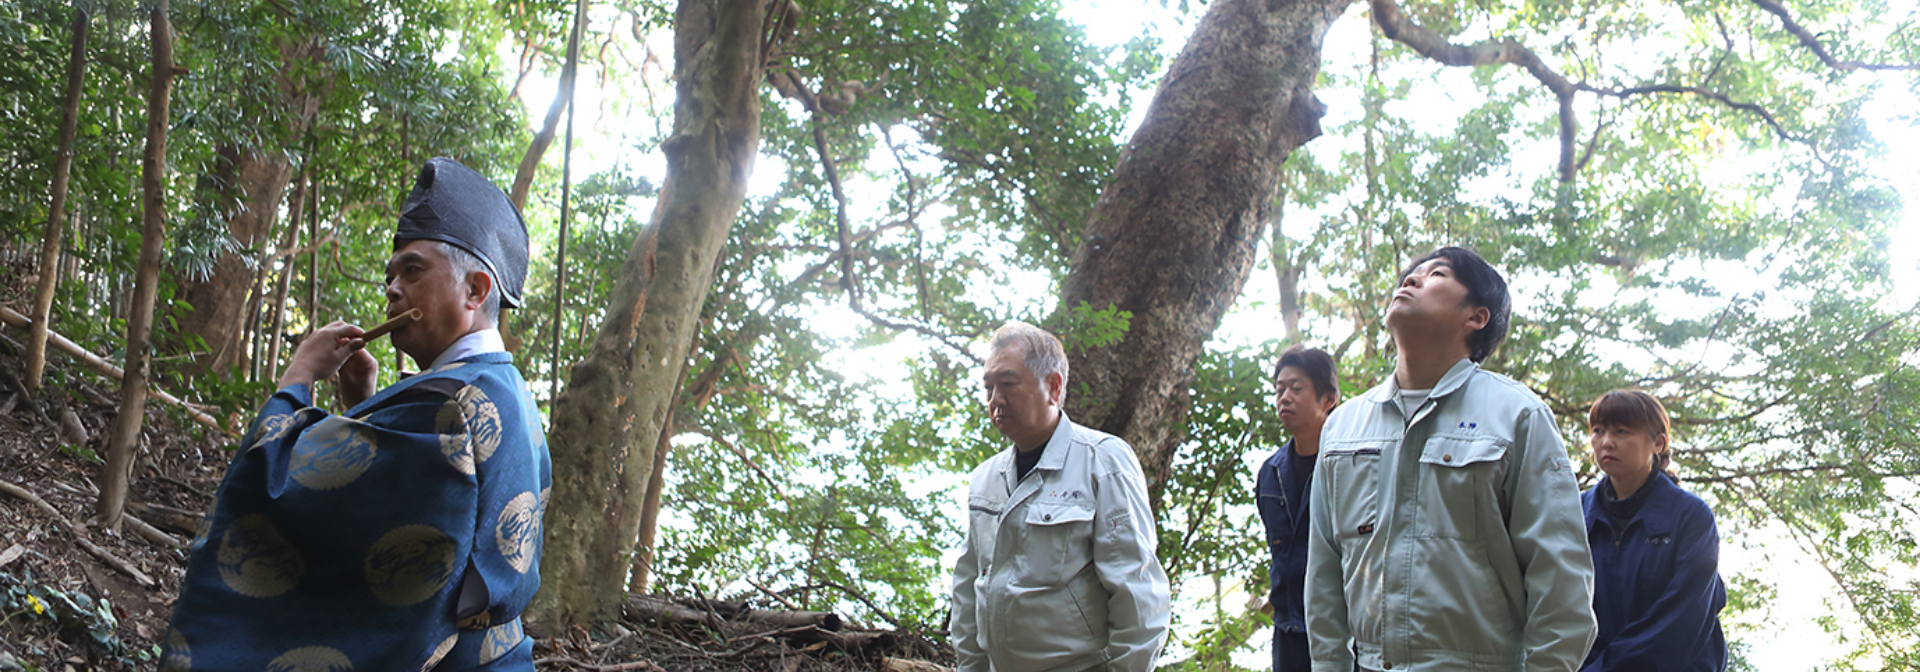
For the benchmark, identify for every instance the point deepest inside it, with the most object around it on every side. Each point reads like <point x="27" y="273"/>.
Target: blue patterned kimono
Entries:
<point x="349" y="542"/>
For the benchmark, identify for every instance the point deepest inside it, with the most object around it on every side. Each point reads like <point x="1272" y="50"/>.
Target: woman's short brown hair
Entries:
<point x="1637" y="410"/>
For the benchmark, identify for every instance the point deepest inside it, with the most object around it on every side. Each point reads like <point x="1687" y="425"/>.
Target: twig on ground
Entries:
<point x="776" y="596"/>
<point x="862" y="598"/>
<point x="79" y="537"/>
<point x="150" y="532"/>
<point x="648" y="666"/>
<point x="189" y="486"/>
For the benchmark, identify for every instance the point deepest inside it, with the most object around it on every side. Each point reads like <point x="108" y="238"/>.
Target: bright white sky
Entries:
<point x="1804" y="591"/>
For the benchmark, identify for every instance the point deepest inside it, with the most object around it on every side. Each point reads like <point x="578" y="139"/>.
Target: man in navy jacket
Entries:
<point x="1308" y="389"/>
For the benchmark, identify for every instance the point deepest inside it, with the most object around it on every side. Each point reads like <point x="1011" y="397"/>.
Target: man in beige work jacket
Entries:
<point x="1059" y="571"/>
<point x="1446" y="530"/>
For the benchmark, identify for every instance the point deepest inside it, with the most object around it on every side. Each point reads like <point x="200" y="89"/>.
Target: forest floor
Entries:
<point x="65" y="607"/>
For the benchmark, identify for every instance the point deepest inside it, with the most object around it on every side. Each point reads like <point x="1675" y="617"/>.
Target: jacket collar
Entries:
<point x="1055" y="457"/>
<point x="1280" y="456"/>
<point x="1454" y="379"/>
<point x="1655" y="515"/>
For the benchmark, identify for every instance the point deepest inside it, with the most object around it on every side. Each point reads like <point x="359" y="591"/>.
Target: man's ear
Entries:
<point x="479" y="285"/>
<point x="1056" y="389"/>
<point x="1478" y="318"/>
<point x="1328" y="401"/>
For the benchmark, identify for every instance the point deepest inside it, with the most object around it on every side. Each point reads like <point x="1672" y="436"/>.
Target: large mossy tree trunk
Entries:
<point x="123" y="435"/>
<point x="607" y="424"/>
<point x="1173" y="237"/>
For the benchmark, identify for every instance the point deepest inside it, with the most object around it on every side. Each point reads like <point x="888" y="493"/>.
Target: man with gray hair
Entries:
<point x="1059" y="570"/>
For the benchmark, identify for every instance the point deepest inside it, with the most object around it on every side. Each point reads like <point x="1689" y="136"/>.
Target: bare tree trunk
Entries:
<point x="1286" y="267"/>
<point x="1172" y="238"/>
<point x="643" y="550"/>
<point x="123" y="436"/>
<point x="285" y="281"/>
<point x="608" y="423"/>
<point x="569" y="73"/>
<point x="56" y="213"/>
<point x="313" y="260"/>
<point x="248" y="330"/>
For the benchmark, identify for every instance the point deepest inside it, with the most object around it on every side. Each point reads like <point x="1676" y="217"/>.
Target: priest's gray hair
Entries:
<point x="1044" y="355"/>
<point x="465" y="263"/>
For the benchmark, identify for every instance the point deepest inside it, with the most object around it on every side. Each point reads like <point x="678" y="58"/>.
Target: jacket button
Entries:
<point x="1046" y="517"/>
<point x="1387" y="666"/>
<point x="1446" y="458"/>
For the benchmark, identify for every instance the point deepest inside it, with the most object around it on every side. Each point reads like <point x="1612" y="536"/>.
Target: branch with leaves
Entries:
<point x="1395" y="24"/>
<point x="1812" y="43"/>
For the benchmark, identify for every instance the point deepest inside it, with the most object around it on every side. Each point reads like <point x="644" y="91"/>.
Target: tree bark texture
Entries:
<point x="57" y="209"/>
<point x="250" y="182"/>
<point x="123" y="436"/>
<point x="607" y="424"/>
<point x="1172" y="238"/>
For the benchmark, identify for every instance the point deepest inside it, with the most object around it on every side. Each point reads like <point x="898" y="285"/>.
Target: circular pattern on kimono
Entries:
<point x="500" y="640"/>
<point x="518" y="531"/>
<point x="334" y="455"/>
<point x="311" y="659"/>
<point x="410" y="564"/>
<point x="175" y="655"/>
<point x="451" y="424"/>
<point x="206" y="524"/>
<point x="256" y="561"/>
<point x="483" y="421"/>
<point x="274" y="427"/>
<point x="441" y="651"/>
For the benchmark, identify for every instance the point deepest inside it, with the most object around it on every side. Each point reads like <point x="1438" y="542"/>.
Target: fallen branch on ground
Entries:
<point x="79" y="537"/>
<point x="107" y="368"/>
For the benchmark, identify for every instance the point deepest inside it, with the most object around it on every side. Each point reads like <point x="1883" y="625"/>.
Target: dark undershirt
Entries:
<point x="1024" y="460"/>
<point x="1622" y="510"/>
<point x="1299" y="473"/>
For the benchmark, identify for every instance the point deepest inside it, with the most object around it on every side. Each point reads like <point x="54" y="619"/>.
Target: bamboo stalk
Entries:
<point x="106" y="368"/>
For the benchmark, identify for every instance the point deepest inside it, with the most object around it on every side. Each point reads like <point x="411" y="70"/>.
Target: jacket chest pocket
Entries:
<point x="1059" y="540"/>
<point x="1353" y="486"/>
<point x="1458" y="484"/>
<point x="983" y="520"/>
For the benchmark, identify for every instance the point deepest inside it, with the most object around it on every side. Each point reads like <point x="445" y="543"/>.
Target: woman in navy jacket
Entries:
<point x="1656" y="552"/>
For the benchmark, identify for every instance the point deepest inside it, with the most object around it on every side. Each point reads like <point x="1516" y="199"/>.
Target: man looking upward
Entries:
<point x="1447" y="532"/>
<point x="1058" y="571"/>
<point x="403" y="533"/>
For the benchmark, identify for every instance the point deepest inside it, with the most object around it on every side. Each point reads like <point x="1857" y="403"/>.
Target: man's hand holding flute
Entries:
<point x="340" y="348"/>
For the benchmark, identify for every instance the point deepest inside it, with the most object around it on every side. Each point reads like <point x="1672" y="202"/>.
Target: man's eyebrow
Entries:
<point x="408" y="256"/>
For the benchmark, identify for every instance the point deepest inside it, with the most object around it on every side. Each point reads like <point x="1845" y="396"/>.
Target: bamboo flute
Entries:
<point x="397" y="322"/>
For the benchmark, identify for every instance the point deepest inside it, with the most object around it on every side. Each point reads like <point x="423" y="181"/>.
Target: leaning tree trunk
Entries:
<point x="608" y="423"/>
<point x="57" y="210"/>
<point x="1172" y="238"/>
<point x="123" y="436"/>
<point x="562" y="99"/>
